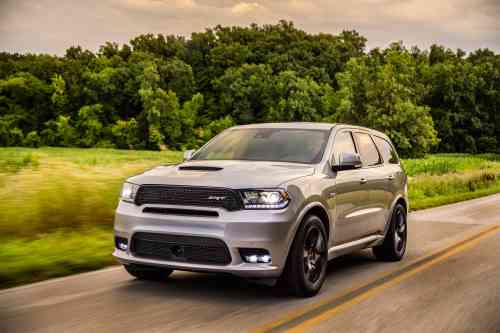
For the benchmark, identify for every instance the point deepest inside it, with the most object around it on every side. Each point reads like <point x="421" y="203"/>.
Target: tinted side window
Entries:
<point x="385" y="148"/>
<point x="367" y="149"/>
<point x="343" y="144"/>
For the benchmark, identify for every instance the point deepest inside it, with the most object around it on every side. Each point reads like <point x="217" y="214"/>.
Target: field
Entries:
<point x="57" y="204"/>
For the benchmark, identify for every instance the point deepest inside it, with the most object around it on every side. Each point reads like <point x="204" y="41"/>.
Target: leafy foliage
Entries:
<point x="163" y="91"/>
<point x="386" y="95"/>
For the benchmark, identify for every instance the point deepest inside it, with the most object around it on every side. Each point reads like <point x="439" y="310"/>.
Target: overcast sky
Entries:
<point x="51" y="26"/>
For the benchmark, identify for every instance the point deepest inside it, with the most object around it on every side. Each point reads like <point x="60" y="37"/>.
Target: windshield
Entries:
<point x="267" y="144"/>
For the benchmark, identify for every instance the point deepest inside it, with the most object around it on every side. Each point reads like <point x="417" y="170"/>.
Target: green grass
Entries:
<point x="57" y="208"/>
<point x="440" y="164"/>
<point x="446" y="178"/>
<point x="65" y="188"/>
<point x="13" y="160"/>
<point x="54" y="254"/>
<point x="57" y="204"/>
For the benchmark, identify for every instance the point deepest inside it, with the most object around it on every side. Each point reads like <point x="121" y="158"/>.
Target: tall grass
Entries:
<point x="432" y="190"/>
<point x="446" y="178"/>
<point x="56" y="204"/>
<point x="56" y="208"/>
<point x="65" y="188"/>
<point x="15" y="159"/>
<point x="441" y="164"/>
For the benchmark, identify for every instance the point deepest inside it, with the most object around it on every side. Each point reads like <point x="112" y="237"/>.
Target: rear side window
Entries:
<point x="388" y="153"/>
<point x="367" y="149"/>
<point x="343" y="144"/>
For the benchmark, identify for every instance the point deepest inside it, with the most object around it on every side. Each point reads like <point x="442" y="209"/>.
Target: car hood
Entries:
<point x="229" y="174"/>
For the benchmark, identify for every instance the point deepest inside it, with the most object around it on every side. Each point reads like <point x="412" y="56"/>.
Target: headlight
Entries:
<point x="128" y="192"/>
<point x="265" y="199"/>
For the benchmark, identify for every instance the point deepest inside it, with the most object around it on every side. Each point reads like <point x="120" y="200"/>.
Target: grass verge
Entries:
<point x="443" y="179"/>
<point x="55" y="254"/>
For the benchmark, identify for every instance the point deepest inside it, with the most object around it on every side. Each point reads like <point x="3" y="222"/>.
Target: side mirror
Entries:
<point x="188" y="154"/>
<point x="348" y="161"/>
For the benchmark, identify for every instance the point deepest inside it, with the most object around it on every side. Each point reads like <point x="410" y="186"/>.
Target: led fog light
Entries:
<point x="255" y="256"/>
<point x="121" y="243"/>
<point x="266" y="258"/>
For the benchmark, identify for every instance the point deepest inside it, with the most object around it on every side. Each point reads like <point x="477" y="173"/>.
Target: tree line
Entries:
<point x="170" y="92"/>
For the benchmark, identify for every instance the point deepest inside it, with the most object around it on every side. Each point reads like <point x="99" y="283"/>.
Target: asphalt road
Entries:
<point x="448" y="282"/>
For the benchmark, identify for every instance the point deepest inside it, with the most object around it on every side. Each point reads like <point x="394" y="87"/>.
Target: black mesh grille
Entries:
<point x="191" y="249"/>
<point x="188" y="196"/>
<point x="180" y="211"/>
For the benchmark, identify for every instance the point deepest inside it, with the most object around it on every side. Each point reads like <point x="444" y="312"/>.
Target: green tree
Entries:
<point x="177" y="76"/>
<point x="59" y="132"/>
<point x="126" y="134"/>
<point x="26" y="100"/>
<point x="58" y="98"/>
<point x="244" y="93"/>
<point x="299" y="99"/>
<point x="387" y="97"/>
<point x="213" y="128"/>
<point x="168" y="91"/>
<point x="10" y="135"/>
<point x="160" y="45"/>
<point x="89" y="126"/>
<point x="189" y="120"/>
<point x="161" y="111"/>
<point x="464" y="98"/>
<point x="32" y="139"/>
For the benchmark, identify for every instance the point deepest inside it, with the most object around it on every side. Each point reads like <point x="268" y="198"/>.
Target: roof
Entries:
<point x="295" y="125"/>
<point x="310" y="125"/>
<point x="371" y="130"/>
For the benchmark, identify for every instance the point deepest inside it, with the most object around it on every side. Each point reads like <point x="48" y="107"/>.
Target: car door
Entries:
<point x="374" y="182"/>
<point x="347" y="197"/>
<point x="393" y="173"/>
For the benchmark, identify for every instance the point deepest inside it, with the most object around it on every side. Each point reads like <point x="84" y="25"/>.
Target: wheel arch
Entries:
<point x="316" y="208"/>
<point x="320" y="212"/>
<point x="400" y="199"/>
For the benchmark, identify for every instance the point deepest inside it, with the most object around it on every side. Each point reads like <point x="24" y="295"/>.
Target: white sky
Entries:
<point x="51" y="26"/>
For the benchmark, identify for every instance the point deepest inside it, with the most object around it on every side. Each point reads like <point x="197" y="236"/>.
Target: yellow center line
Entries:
<point x="327" y="314"/>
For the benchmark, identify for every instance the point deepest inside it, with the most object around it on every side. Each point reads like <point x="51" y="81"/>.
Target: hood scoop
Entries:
<point x="199" y="168"/>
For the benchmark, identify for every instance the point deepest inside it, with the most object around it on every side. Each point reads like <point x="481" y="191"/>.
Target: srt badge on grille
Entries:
<point x="214" y="197"/>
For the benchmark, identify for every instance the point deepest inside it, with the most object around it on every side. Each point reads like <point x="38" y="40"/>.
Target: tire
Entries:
<point x="148" y="272"/>
<point x="394" y="246"/>
<point x="305" y="269"/>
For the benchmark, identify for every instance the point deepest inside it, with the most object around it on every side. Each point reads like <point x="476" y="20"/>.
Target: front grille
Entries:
<point x="190" y="249"/>
<point x="188" y="196"/>
<point x="180" y="211"/>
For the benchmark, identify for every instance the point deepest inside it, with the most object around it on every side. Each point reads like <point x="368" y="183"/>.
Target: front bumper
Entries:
<point x="241" y="269"/>
<point x="264" y="229"/>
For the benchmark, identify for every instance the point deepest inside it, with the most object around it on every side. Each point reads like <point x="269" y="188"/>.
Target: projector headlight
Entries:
<point x="129" y="191"/>
<point x="265" y="199"/>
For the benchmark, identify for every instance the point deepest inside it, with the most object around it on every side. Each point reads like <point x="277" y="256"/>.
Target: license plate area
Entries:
<point x="160" y="250"/>
<point x="180" y="248"/>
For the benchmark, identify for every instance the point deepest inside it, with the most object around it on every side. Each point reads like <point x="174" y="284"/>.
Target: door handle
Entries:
<point x="363" y="180"/>
<point x="390" y="177"/>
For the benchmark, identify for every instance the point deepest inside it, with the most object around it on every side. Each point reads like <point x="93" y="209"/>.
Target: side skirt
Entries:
<point x="356" y="245"/>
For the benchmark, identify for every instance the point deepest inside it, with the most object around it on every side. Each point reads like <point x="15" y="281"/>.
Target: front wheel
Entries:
<point x="305" y="269"/>
<point x="394" y="246"/>
<point x="148" y="272"/>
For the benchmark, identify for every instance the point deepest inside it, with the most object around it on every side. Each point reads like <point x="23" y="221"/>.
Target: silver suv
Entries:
<point x="272" y="201"/>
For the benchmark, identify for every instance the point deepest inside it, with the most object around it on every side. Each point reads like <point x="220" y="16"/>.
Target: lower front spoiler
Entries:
<point x="245" y="270"/>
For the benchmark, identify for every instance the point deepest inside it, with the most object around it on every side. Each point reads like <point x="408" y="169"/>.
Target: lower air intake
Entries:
<point x="189" y="249"/>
